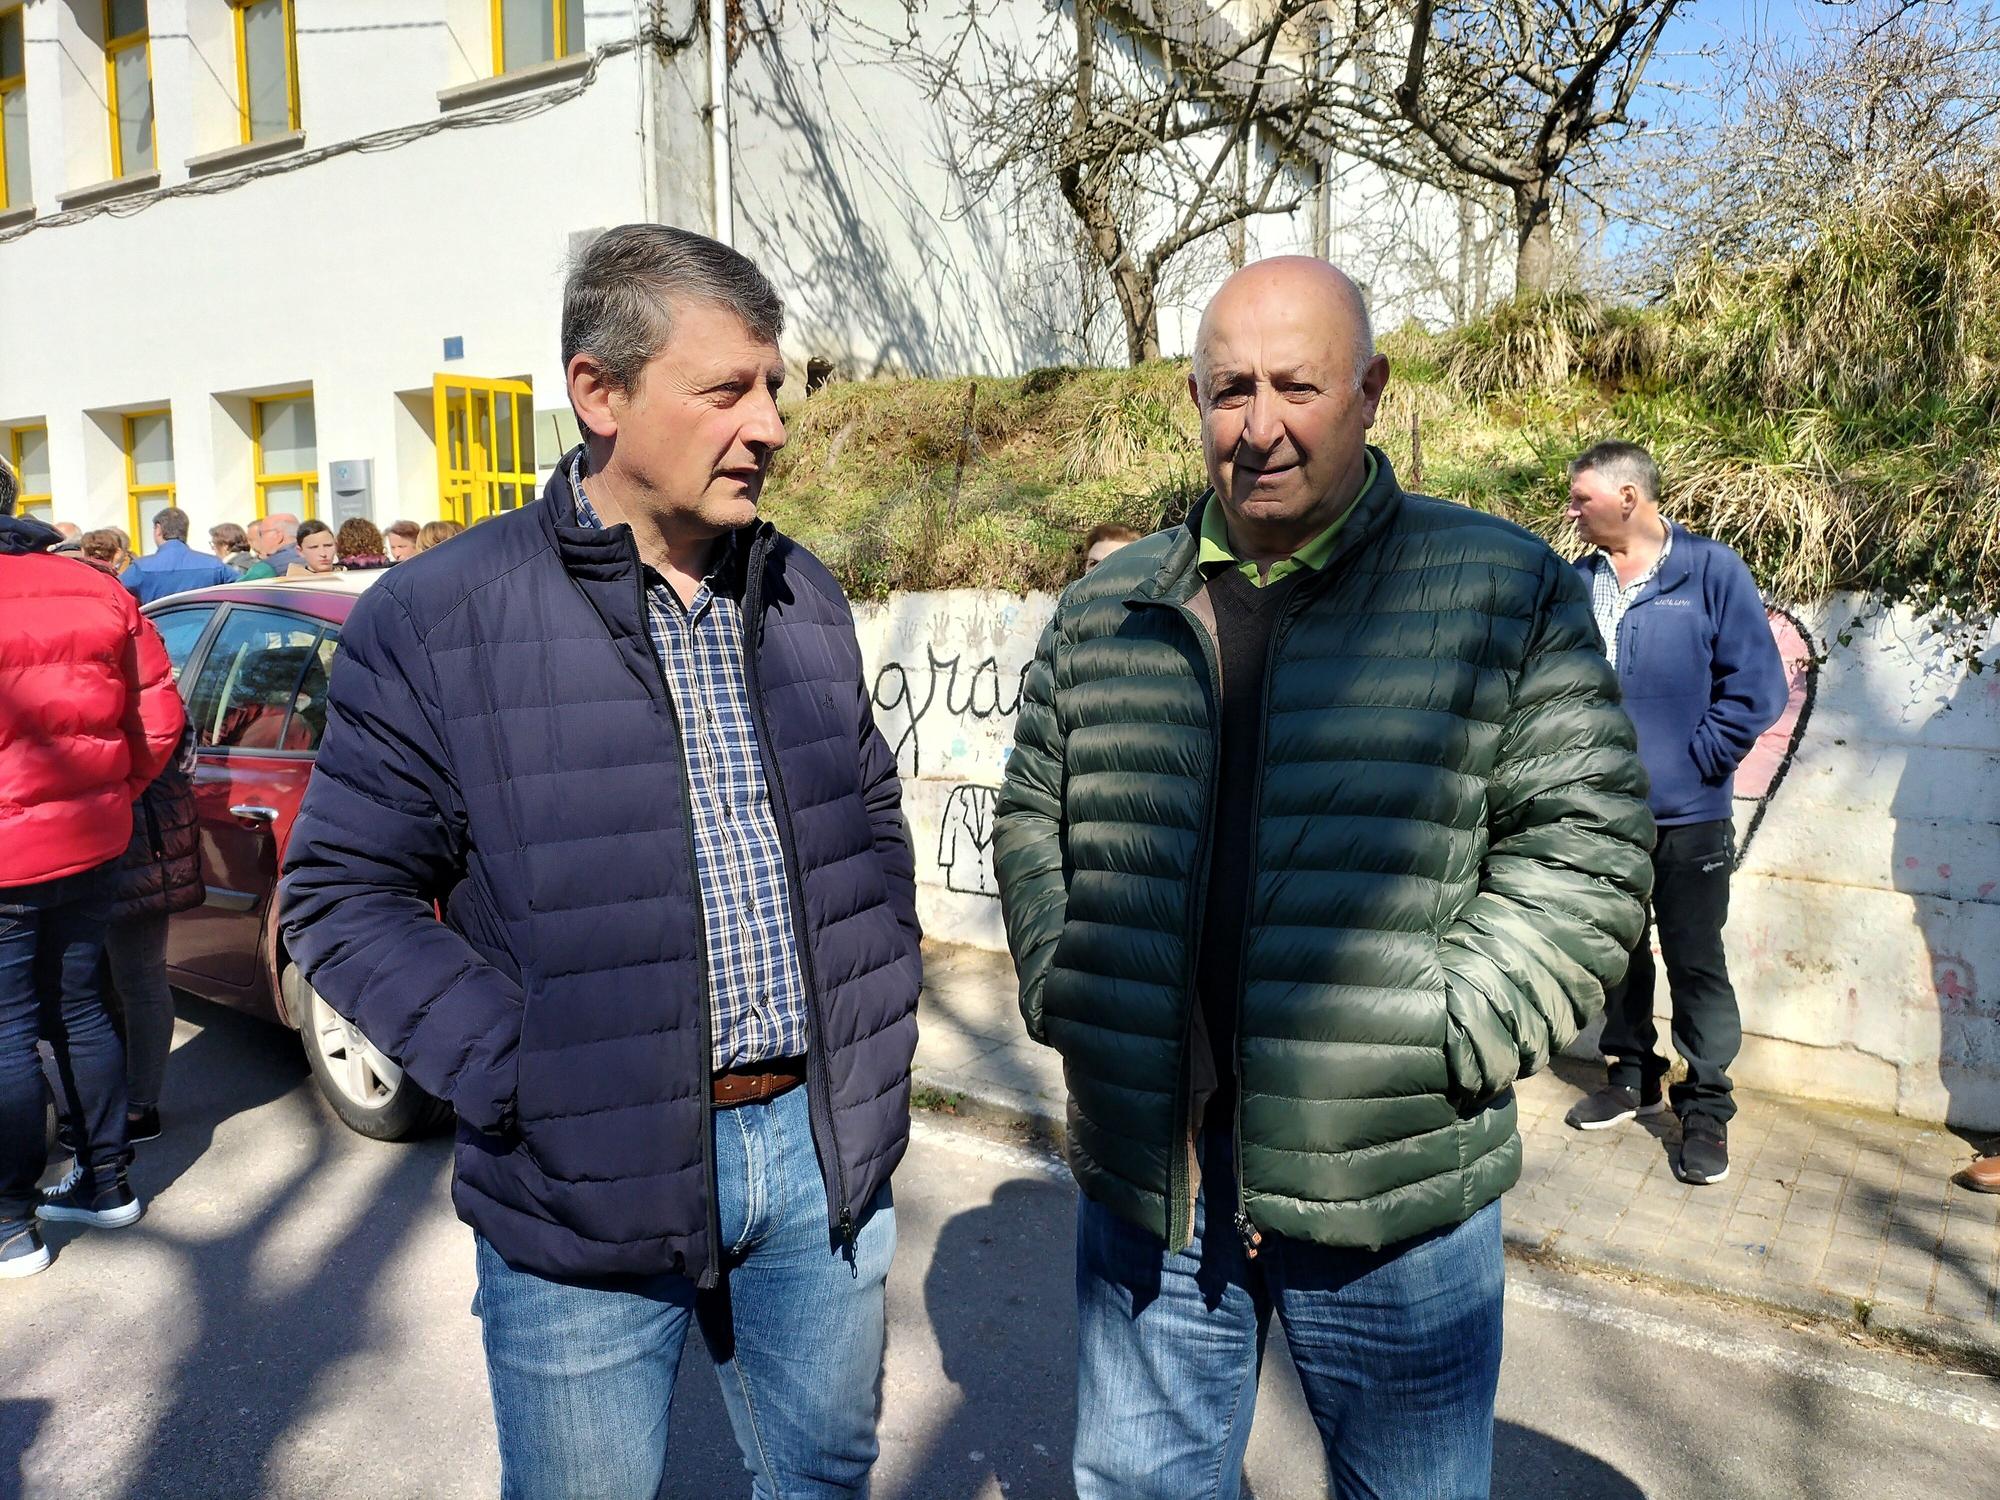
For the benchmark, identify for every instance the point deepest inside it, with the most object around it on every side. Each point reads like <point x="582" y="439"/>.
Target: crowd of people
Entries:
<point x="279" y="545"/>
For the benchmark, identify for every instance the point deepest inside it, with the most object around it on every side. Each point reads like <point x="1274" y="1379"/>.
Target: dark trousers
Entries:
<point x="1691" y="867"/>
<point x="51" y="962"/>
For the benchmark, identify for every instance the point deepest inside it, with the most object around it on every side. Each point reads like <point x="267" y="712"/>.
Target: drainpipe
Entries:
<point x="643" y="20"/>
<point x="718" y="119"/>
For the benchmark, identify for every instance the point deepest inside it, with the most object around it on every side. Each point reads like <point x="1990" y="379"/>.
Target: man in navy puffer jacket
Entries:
<point x="622" y="739"/>
<point x="1686" y="632"/>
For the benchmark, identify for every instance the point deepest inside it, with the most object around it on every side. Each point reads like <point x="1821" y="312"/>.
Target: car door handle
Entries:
<point x="251" y="812"/>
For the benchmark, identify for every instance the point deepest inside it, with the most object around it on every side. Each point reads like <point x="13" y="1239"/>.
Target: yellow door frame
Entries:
<point x="472" y="482"/>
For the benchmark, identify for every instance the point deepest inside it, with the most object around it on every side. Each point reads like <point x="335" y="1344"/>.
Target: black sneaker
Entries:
<point x="1704" y="1154"/>
<point x="1614" y="1105"/>
<point x="22" y="1252"/>
<point x="142" y="1125"/>
<point x="73" y="1201"/>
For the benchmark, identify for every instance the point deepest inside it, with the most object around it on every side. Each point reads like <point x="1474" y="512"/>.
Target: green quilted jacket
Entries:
<point x="1452" y="858"/>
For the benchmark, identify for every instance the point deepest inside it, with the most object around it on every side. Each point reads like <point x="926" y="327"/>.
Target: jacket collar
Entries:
<point x="25" y="534"/>
<point x="603" y="562"/>
<point x="1179" y="575"/>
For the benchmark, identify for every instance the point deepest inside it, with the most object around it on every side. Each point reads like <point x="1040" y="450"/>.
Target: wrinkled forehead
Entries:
<point x="1269" y="333"/>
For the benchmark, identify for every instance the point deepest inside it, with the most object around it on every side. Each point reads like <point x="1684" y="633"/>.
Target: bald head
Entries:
<point x="1300" y="289"/>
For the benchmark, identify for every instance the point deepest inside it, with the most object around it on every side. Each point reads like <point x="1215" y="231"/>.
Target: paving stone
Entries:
<point x="1803" y="1171"/>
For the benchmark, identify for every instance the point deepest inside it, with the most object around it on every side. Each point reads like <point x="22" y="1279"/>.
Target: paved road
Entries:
<point x="291" y="1319"/>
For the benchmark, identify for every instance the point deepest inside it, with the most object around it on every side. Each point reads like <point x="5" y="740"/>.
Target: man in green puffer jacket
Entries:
<point x="1322" y="827"/>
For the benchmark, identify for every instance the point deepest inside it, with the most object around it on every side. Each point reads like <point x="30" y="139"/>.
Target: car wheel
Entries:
<point x="372" y="1096"/>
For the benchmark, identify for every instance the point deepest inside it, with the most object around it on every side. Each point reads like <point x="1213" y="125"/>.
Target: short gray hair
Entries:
<point x="617" y="300"/>
<point x="9" y="488"/>
<point x="171" y="523"/>
<point x="1621" y="463"/>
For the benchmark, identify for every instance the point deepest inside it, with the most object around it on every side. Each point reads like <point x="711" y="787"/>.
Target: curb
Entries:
<point x="1037" y="1121"/>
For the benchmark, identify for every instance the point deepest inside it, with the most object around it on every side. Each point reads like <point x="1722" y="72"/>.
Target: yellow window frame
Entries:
<point x="113" y="46"/>
<point x="28" y="502"/>
<point x="7" y="86"/>
<point x="472" y="484"/>
<point x="135" y="492"/>
<point x="243" y="69"/>
<point x="308" y="482"/>
<point x="558" y="20"/>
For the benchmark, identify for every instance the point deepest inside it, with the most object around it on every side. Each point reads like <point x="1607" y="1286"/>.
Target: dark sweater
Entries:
<point x="1245" y="618"/>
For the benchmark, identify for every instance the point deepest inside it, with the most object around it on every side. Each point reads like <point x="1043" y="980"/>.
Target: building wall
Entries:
<point x="1864" y="935"/>
<point x="343" y="275"/>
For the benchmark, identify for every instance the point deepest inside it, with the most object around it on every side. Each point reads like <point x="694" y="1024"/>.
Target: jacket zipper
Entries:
<point x="1181" y="1187"/>
<point x="1246" y="1228"/>
<point x="819" y="1087"/>
<point x="710" y="1274"/>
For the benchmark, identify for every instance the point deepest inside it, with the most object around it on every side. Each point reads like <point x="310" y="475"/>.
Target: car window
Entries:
<point x="180" y="629"/>
<point x="309" y="721"/>
<point x="251" y="682"/>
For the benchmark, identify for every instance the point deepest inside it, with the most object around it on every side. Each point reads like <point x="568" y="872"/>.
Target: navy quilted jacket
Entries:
<point x="500" y="741"/>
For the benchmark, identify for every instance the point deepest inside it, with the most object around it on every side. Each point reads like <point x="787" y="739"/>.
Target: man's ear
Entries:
<point x="590" y="395"/>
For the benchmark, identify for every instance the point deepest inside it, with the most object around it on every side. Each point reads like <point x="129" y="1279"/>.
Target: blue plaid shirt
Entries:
<point x="756" y="993"/>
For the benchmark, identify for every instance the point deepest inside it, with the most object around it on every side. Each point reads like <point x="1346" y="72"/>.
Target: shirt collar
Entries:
<point x="1603" y="558"/>
<point x="1216" y="551"/>
<point x="721" y="567"/>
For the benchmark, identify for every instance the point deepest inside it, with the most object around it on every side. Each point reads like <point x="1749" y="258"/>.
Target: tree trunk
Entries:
<point x="1535" y="240"/>
<point x="1139" y="301"/>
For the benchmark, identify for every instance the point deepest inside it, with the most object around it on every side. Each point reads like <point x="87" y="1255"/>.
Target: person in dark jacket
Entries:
<point x="1322" y="827"/>
<point x="1686" y="632"/>
<point x="172" y="567"/>
<point x="159" y="875"/>
<point x="623" y="740"/>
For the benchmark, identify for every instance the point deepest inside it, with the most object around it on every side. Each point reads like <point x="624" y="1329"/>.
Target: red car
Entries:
<point x="251" y="660"/>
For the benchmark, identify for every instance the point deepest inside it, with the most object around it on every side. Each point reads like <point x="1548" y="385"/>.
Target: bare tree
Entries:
<point x="1162" y="126"/>
<point x="1866" y="97"/>
<point x="1528" y="95"/>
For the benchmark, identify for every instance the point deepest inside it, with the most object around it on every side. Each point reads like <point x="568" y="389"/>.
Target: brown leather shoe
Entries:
<point x="1983" y="1176"/>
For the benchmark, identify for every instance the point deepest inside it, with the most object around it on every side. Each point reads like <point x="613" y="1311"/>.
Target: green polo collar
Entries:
<point x="1215" y="549"/>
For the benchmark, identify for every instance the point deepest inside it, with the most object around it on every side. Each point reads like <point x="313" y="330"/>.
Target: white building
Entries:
<point x="307" y="255"/>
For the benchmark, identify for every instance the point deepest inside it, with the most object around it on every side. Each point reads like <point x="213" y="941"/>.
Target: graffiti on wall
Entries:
<point x="965" y="840"/>
<point x="1764" y="769"/>
<point x="914" y="700"/>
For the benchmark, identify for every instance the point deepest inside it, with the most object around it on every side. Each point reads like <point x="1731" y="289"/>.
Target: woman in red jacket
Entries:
<point x="88" y="716"/>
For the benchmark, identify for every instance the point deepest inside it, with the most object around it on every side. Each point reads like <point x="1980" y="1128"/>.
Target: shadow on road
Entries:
<point x="280" y="1296"/>
<point x="20" y="1421"/>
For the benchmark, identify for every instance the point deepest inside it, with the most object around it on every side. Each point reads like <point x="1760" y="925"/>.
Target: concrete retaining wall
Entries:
<point x="1865" y="912"/>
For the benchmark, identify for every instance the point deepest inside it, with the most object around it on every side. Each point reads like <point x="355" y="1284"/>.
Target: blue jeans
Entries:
<point x="1398" y="1351"/>
<point x="51" y="958"/>
<point x="583" y="1375"/>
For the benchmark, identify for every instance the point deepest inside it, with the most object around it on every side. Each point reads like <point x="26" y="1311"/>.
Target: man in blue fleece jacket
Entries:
<point x="1686" y="632"/>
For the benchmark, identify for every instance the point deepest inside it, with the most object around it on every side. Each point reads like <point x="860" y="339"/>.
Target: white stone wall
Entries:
<point x="1864" y="937"/>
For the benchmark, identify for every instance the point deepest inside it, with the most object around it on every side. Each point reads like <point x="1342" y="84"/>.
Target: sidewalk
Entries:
<point x="1828" y="1211"/>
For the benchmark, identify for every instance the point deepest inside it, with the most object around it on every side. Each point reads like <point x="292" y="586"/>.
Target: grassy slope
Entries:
<point x="867" y="477"/>
<point x="1829" y="414"/>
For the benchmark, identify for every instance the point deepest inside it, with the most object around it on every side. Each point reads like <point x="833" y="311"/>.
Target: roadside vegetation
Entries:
<point x="1829" y="412"/>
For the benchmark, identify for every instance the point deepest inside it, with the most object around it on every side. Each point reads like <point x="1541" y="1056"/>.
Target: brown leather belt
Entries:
<point x="757" y="1083"/>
